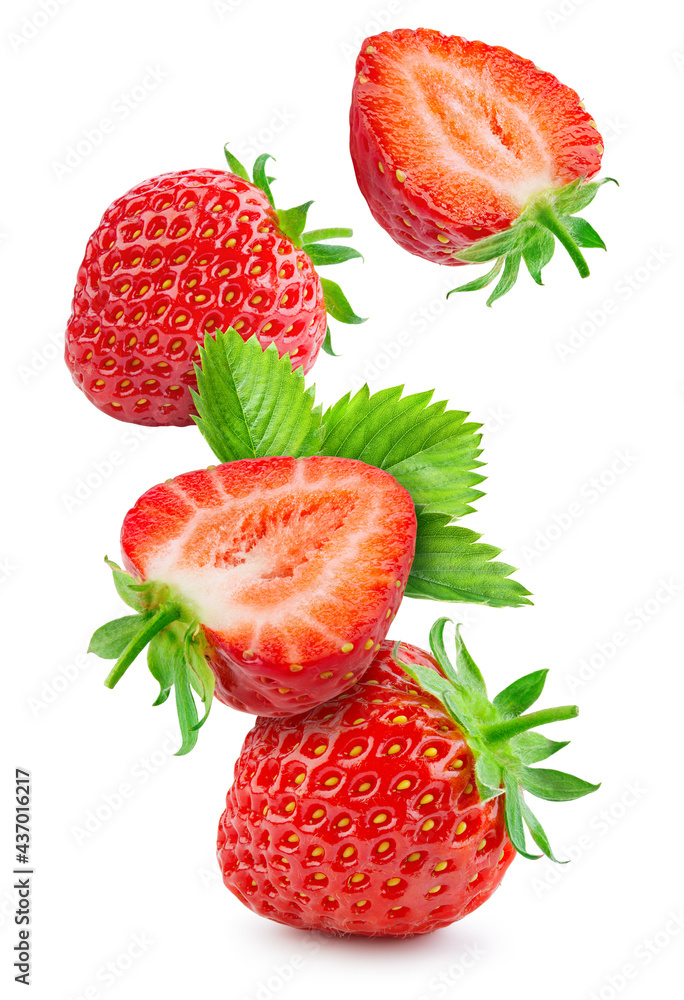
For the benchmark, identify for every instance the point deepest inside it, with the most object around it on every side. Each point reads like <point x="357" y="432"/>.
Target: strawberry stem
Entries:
<point x="167" y="614"/>
<point x="545" y="214"/>
<point x="499" y="731"/>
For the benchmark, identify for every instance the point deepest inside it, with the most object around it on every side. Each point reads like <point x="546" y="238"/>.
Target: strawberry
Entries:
<point x="468" y="153"/>
<point x="268" y="582"/>
<point x="185" y="254"/>
<point x="396" y="808"/>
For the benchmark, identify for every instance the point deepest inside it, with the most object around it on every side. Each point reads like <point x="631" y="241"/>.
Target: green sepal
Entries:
<point x="160" y="654"/>
<point x="110" y="640"/>
<point x="200" y="673"/>
<point x="185" y="703"/>
<point x="260" y="178"/>
<point x="235" y="166"/>
<point x="337" y="304"/>
<point x="291" y="222"/>
<point x="501" y="739"/>
<point x="316" y="235"/>
<point x="548" y="216"/>
<point x="322" y="253"/>
<point x="327" y="346"/>
<point x="139" y="596"/>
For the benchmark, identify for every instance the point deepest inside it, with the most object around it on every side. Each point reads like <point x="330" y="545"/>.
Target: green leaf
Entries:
<point x="322" y="253"/>
<point x="583" y="234"/>
<point x="451" y="565"/>
<point x="508" y="278"/>
<point x="532" y="747"/>
<point x="260" y="178"/>
<point x="537" y="831"/>
<point x="337" y="304"/>
<point x="478" y="283"/>
<point x="491" y="247"/>
<point x="185" y="703"/>
<point x="136" y="595"/>
<point x="200" y="674"/>
<point x="518" y="697"/>
<point x="235" y="165"/>
<point x="489" y="776"/>
<point x="291" y="221"/>
<point x="573" y="197"/>
<point x="538" y="251"/>
<point x="555" y="786"/>
<point x="468" y="672"/>
<point x="327" y="346"/>
<point x="431" y="451"/>
<point x="160" y="658"/>
<point x="439" y="649"/>
<point x="250" y="404"/>
<point x="514" y="818"/>
<point x="110" y="640"/>
<point x="314" y="235"/>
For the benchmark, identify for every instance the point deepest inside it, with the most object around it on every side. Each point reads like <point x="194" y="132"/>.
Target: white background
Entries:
<point x="556" y="416"/>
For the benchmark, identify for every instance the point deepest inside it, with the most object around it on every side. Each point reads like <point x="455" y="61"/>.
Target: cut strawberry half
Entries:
<point x="456" y="141"/>
<point x="281" y="574"/>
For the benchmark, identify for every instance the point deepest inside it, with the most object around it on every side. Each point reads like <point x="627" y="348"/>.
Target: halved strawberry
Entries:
<point x="455" y="141"/>
<point x="282" y="574"/>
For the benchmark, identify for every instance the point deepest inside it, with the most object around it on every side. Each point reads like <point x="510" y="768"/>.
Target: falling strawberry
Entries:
<point x="267" y="582"/>
<point x="396" y="808"/>
<point x="183" y="255"/>
<point x="468" y="153"/>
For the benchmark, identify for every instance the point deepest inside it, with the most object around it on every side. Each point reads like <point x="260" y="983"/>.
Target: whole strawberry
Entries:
<point x="468" y="153"/>
<point x="183" y="255"/>
<point x="268" y="582"/>
<point x="396" y="808"/>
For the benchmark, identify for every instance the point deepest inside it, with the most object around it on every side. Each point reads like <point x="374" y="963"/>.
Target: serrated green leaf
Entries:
<point x="554" y="786"/>
<point x="431" y="451"/>
<point x="327" y="346"/>
<point x="508" y="278"/>
<point x="323" y="253"/>
<point x="235" y="165"/>
<point x="513" y="813"/>
<point x="532" y="747"/>
<point x="538" y="251"/>
<point x="260" y="178"/>
<point x="518" y="697"/>
<point x="110" y="640"/>
<point x="479" y="283"/>
<point x="537" y="831"/>
<point x="249" y="402"/>
<point x="337" y="304"/>
<point x="291" y="221"/>
<point x="450" y="564"/>
<point x="582" y="232"/>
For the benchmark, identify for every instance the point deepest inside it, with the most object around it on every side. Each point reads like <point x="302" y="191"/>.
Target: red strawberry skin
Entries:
<point x="362" y="816"/>
<point x="177" y="257"/>
<point x="451" y="138"/>
<point x="293" y="567"/>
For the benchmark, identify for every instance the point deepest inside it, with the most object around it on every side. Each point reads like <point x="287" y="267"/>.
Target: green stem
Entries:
<point x="499" y="731"/>
<point x="166" y="614"/>
<point x="546" y="215"/>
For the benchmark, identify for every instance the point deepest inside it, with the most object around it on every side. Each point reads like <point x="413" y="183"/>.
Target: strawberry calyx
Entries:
<point x="503" y="740"/>
<point x="175" y="645"/>
<point x="531" y="238"/>
<point x="292" y="224"/>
